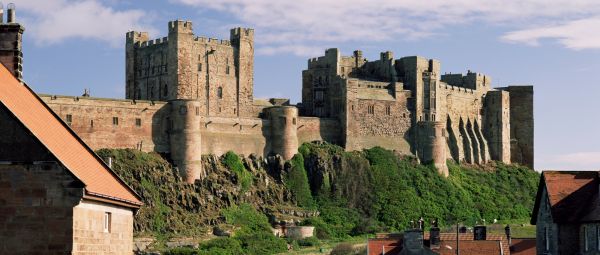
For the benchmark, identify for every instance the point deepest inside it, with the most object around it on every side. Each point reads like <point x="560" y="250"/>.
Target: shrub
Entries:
<point x="221" y="246"/>
<point x="255" y="234"/>
<point x="297" y="182"/>
<point x="234" y="163"/>
<point x="181" y="251"/>
<point x="309" y="241"/>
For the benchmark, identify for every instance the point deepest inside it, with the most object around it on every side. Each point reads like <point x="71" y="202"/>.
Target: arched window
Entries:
<point x="220" y="92"/>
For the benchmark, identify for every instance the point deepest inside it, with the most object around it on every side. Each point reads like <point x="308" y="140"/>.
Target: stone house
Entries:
<point x="56" y="195"/>
<point x="567" y="213"/>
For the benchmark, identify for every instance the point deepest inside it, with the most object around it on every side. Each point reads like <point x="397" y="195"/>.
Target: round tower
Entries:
<point x="284" y="138"/>
<point x="432" y="144"/>
<point x="185" y="138"/>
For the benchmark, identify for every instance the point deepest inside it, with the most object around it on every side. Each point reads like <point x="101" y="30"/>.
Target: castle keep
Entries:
<point x="188" y="95"/>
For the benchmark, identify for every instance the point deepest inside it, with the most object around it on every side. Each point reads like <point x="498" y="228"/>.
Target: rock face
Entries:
<point x="176" y="208"/>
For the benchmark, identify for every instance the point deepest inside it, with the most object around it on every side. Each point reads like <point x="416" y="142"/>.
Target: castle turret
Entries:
<point x="180" y="62"/>
<point x="11" y="55"/>
<point x="132" y="38"/>
<point x="284" y="138"/>
<point x="242" y="39"/>
<point x="186" y="150"/>
<point x="431" y="144"/>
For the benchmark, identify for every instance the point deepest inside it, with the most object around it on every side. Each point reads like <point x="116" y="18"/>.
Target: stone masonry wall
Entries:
<point x="36" y="200"/>
<point x="94" y="121"/>
<point x="89" y="236"/>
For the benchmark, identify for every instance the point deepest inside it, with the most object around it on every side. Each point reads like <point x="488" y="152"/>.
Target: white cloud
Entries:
<point x="53" y="21"/>
<point x="294" y="25"/>
<point x="577" y="34"/>
<point x="571" y="161"/>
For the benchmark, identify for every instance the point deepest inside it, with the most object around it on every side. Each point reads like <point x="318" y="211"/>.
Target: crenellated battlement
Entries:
<point x="180" y="26"/>
<point x="158" y="41"/>
<point x="214" y="41"/>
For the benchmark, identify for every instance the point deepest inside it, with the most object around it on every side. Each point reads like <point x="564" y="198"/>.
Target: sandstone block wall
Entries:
<point x="89" y="236"/>
<point x="219" y="73"/>
<point x="113" y="123"/>
<point x="521" y="119"/>
<point x="36" y="204"/>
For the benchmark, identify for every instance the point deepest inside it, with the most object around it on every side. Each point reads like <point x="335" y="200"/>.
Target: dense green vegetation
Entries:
<point x="253" y="236"/>
<point x="297" y="182"/>
<point x="234" y="163"/>
<point x="377" y="190"/>
<point x="356" y="193"/>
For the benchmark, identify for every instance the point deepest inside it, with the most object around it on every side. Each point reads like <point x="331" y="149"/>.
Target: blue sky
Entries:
<point x="70" y="45"/>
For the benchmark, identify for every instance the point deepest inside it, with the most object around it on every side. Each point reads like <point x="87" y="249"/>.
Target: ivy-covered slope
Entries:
<point x="377" y="190"/>
<point x="355" y="192"/>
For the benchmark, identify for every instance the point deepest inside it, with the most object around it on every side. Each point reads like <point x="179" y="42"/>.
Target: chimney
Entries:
<point x="434" y="235"/>
<point x="508" y="234"/>
<point x="479" y="233"/>
<point x="413" y="241"/>
<point x="11" y="14"/>
<point x="11" y="33"/>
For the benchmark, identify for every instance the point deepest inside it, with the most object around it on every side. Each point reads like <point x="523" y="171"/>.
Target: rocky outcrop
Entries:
<point x="175" y="208"/>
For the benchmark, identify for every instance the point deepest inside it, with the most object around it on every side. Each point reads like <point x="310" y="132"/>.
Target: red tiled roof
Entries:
<point x="390" y="246"/>
<point x="472" y="247"/>
<point x="494" y="244"/>
<point x="470" y="236"/>
<point x="100" y="182"/>
<point x="523" y="246"/>
<point x="573" y="196"/>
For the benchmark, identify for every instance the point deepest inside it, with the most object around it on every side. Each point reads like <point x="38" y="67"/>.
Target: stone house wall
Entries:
<point x="89" y="235"/>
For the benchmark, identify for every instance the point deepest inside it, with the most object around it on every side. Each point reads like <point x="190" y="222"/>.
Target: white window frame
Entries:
<point x="107" y="222"/>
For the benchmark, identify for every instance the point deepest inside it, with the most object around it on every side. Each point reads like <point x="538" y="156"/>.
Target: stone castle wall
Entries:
<point x="189" y="95"/>
<point x="113" y="123"/>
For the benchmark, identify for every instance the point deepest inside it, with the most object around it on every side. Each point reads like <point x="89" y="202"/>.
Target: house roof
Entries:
<point x="101" y="183"/>
<point x="471" y="237"/>
<point x="572" y="195"/>
<point x="523" y="246"/>
<point x="472" y="247"/>
<point x="494" y="244"/>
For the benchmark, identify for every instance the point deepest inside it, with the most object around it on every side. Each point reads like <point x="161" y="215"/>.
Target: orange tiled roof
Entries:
<point x="573" y="195"/>
<point x="100" y="182"/>
<point x="470" y="237"/>
<point x="471" y="247"/>
<point x="523" y="246"/>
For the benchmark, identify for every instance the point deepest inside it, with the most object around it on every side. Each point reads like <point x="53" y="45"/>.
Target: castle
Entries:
<point x="187" y="96"/>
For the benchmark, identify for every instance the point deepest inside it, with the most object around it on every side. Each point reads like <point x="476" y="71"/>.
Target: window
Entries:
<point x="598" y="238"/>
<point x="91" y="123"/>
<point x="585" y="239"/>
<point x="165" y="91"/>
<point x="69" y="119"/>
<point x="319" y="95"/>
<point x="199" y="67"/>
<point x="107" y="221"/>
<point x="227" y="70"/>
<point x="388" y="110"/>
<point x="294" y="121"/>
<point x="197" y="111"/>
<point x="115" y="121"/>
<point x="220" y="92"/>
<point x="546" y="239"/>
<point x="138" y="122"/>
<point x="371" y="109"/>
